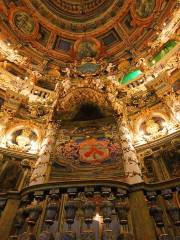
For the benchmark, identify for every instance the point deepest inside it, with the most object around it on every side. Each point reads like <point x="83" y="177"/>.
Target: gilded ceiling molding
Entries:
<point x="68" y="34"/>
<point x="58" y="43"/>
<point x="142" y="7"/>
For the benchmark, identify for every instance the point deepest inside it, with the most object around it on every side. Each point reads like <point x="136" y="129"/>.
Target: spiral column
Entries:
<point x="41" y="166"/>
<point x="131" y="162"/>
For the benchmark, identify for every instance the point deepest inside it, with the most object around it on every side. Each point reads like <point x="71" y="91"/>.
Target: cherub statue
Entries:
<point x="66" y="84"/>
<point x="67" y="72"/>
<point x="110" y="68"/>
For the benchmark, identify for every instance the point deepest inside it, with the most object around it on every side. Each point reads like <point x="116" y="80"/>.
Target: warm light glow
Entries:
<point x="34" y="146"/>
<point x="141" y="132"/>
<point x="169" y="28"/>
<point x="22" y="141"/>
<point x="164" y="124"/>
<point x="97" y="217"/>
<point x="9" y="138"/>
<point x="1" y="127"/>
<point x="178" y="116"/>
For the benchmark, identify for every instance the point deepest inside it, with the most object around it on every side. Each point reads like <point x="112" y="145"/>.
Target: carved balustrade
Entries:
<point x="95" y="212"/>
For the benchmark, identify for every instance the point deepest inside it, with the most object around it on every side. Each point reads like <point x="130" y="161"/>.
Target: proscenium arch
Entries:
<point x="71" y="103"/>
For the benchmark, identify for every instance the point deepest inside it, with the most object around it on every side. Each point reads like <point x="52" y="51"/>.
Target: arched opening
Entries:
<point x="88" y="111"/>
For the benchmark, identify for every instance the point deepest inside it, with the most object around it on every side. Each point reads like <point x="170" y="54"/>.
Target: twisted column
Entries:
<point x="41" y="166"/>
<point x="40" y="172"/>
<point x="131" y="162"/>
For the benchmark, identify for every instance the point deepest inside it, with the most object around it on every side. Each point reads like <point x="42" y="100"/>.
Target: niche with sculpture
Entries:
<point x="163" y="162"/>
<point x="149" y="170"/>
<point x="23" y="139"/>
<point x="153" y="128"/>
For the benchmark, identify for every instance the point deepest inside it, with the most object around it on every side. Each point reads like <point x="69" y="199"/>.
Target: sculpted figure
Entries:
<point x="67" y="71"/>
<point x="109" y="68"/>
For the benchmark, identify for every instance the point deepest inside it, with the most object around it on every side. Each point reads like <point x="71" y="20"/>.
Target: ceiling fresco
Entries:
<point x="61" y="30"/>
<point x="77" y="10"/>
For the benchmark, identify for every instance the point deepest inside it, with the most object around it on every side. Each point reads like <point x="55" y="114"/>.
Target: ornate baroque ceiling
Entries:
<point x="55" y="29"/>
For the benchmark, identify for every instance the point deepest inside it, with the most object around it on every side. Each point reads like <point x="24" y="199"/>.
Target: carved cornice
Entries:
<point x="132" y="188"/>
<point x="13" y="153"/>
<point x="165" y="140"/>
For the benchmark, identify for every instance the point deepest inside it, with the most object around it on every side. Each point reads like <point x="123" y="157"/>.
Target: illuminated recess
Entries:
<point x="130" y="76"/>
<point x="167" y="48"/>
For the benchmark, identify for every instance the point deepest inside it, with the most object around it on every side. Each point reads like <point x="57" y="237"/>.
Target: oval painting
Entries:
<point x="24" y="22"/>
<point x="144" y="8"/>
<point x="87" y="48"/>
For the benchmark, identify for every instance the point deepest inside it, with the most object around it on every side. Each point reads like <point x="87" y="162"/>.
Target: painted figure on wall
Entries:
<point x="87" y="49"/>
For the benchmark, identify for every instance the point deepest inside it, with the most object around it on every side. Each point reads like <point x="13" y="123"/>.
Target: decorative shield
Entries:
<point x="93" y="151"/>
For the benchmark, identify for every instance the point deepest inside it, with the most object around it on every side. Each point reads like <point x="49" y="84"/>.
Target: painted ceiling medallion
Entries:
<point x="79" y="16"/>
<point x="145" y="8"/>
<point x="76" y="9"/>
<point x="23" y="23"/>
<point x="87" y="48"/>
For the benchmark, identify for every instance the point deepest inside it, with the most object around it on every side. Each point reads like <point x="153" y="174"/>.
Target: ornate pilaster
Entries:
<point x="41" y="166"/>
<point x="131" y="162"/>
<point x="132" y="169"/>
<point x="40" y="172"/>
